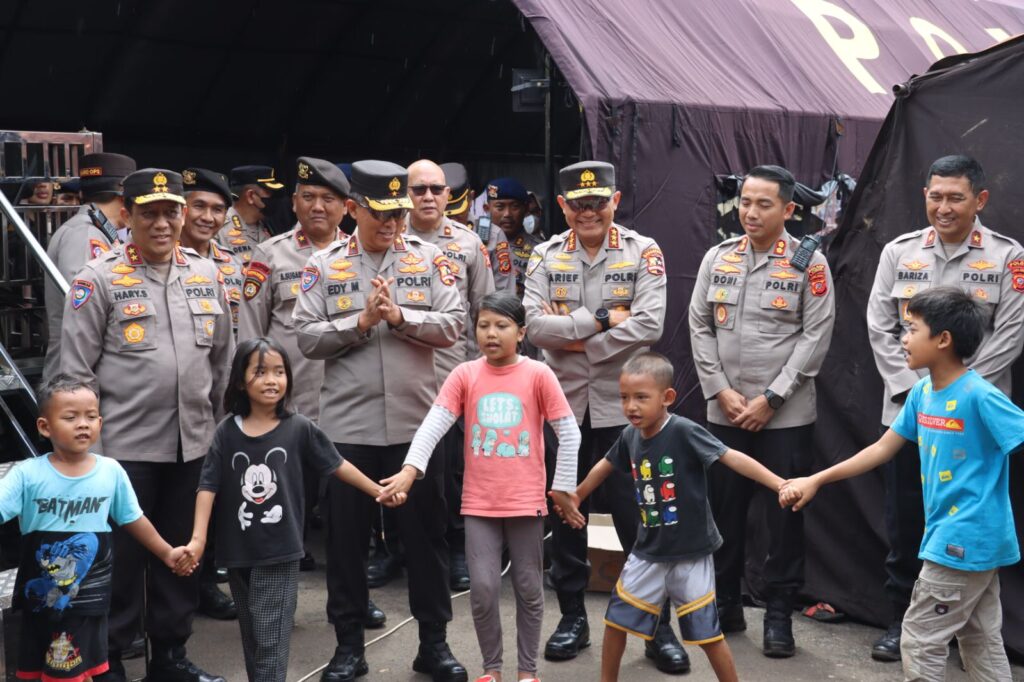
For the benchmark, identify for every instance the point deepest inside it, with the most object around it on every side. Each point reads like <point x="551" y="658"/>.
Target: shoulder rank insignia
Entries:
<point x="81" y="291"/>
<point x="487" y="256"/>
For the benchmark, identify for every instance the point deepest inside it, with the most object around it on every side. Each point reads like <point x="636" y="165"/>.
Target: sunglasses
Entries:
<point x="420" y="190"/>
<point x="587" y="204"/>
<point x="397" y="214"/>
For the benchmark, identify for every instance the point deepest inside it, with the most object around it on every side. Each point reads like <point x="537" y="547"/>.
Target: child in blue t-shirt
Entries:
<point x="965" y="429"/>
<point x="63" y="500"/>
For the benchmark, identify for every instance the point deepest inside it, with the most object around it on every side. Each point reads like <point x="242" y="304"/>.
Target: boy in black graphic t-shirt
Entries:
<point x="667" y="456"/>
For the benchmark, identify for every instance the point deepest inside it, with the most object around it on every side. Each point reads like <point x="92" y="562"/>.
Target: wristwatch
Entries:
<point x="603" y="319"/>
<point x="775" y="401"/>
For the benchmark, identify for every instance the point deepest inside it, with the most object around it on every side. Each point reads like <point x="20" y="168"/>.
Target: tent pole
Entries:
<point x="549" y="170"/>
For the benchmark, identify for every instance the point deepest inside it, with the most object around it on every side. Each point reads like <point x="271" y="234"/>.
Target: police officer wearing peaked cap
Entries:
<point x="208" y="197"/>
<point x="760" y="326"/>
<point x="245" y="225"/>
<point x="89" y="233"/>
<point x="459" y="209"/>
<point x="374" y="307"/>
<point x="595" y="295"/>
<point x="146" y="324"/>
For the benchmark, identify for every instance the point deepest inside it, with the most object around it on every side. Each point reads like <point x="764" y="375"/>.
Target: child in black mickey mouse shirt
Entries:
<point x="253" y="472"/>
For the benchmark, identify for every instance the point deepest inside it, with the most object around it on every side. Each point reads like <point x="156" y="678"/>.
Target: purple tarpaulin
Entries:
<point x="675" y="93"/>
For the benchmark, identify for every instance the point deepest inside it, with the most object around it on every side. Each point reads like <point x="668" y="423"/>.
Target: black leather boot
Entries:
<point x="382" y="568"/>
<point x="375" y="617"/>
<point x="573" y="631"/>
<point x="730" y="615"/>
<point x="214" y="603"/>
<point x="887" y="647"/>
<point x="668" y="654"/>
<point x="778" y="628"/>
<point x="435" y="658"/>
<point x="458" y="572"/>
<point x="348" y="661"/>
<point x="171" y="664"/>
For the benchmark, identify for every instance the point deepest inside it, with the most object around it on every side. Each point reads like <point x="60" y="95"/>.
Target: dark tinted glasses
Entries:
<point x="420" y="190"/>
<point x="587" y="204"/>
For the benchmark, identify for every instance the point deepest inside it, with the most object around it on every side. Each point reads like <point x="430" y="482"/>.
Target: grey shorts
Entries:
<point x="643" y="586"/>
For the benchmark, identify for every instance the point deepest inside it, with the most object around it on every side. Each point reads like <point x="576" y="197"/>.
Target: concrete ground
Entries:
<point x="824" y="651"/>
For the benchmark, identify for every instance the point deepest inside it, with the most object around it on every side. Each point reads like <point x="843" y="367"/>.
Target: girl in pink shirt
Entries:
<point x="505" y="399"/>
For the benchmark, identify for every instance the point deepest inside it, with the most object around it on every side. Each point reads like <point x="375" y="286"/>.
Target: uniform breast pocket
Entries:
<point x="287" y="289"/>
<point x="137" y="326"/>
<point x="907" y="290"/>
<point x="983" y="293"/>
<point x="779" y="312"/>
<point x="204" y="318"/>
<point x="345" y="304"/>
<point x="565" y="297"/>
<point x="414" y="297"/>
<point x="617" y="295"/>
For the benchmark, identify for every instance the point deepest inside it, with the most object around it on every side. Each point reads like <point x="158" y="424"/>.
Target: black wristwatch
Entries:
<point x="775" y="401"/>
<point x="603" y="319"/>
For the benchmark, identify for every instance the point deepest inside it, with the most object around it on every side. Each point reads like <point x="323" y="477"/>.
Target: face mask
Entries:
<point x="529" y="224"/>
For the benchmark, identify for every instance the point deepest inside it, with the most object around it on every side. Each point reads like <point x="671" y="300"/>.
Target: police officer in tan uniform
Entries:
<point x="760" y="325"/>
<point x="273" y="275"/>
<point x="88" y="234"/>
<point x="955" y="249"/>
<point x="147" y="325"/>
<point x="471" y="264"/>
<point x="208" y="197"/>
<point x="375" y="307"/>
<point x="595" y="294"/>
<point x="244" y="224"/>
<point x="459" y="210"/>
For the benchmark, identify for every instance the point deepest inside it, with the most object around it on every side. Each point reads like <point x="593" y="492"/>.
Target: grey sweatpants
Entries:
<point x="266" y="597"/>
<point x="525" y="538"/>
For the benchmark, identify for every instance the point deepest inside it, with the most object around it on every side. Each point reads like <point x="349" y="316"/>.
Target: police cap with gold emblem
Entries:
<point x="456" y="177"/>
<point x="320" y="173"/>
<point x="381" y="184"/>
<point x="206" y="180"/>
<point x="154" y="184"/>
<point x="254" y="175"/>
<point x="587" y="179"/>
<point x="103" y="172"/>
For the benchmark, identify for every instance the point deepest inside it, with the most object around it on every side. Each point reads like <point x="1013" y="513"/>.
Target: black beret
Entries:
<point x="206" y="180"/>
<point x="322" y="173"/>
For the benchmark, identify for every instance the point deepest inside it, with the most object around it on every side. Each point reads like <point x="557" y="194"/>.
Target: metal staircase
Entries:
<point x="26" y="158"/>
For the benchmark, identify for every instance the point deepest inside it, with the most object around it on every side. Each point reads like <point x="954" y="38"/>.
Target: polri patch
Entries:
<point x="310" y="276"/>
<point x="81" y="291"/>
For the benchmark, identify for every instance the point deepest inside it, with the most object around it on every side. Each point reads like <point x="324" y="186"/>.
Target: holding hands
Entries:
<point x="396" y="488"/>
<point x="184" y="560"/>
<point x="798" y="492"/>
<point x="567" y="506"/>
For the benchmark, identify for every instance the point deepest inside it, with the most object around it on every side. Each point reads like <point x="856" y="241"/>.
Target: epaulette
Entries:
<point x="908" y="235"/>
<point x="278" y="238"/>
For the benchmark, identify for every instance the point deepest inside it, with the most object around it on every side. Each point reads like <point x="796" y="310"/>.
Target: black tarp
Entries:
<point x="968" y="104"/>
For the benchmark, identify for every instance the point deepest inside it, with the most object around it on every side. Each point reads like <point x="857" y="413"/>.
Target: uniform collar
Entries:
<point x="976" y="239"/>
<point x="134" y="257"/>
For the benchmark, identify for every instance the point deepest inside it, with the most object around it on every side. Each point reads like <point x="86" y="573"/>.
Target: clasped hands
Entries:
<point x="749" y="415"/>
<point x="380" y="306"/>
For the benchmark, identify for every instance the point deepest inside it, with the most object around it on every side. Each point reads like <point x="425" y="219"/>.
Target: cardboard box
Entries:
<point x="604" y="552"/>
